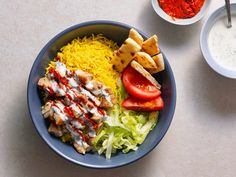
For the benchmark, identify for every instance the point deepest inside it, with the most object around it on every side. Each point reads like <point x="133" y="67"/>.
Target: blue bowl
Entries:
<point x="118" y="32"/>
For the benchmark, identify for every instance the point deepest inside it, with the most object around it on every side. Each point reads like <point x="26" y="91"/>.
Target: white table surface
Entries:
<point x="201" y="141"/>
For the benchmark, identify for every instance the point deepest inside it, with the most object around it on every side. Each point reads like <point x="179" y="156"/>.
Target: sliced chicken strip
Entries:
<point x="55" y="130"/>
<point x="44" y="83"/>
<point x="46" y="110"/>
<point x="105" y="94"/>
<point x="96" y="119"/>
<point x="83" y="76"/>
<point x="79" y="148"/>
<point x="82" y="149"/>
<point x="94" y="87"/>
<point x="105" y="103"/>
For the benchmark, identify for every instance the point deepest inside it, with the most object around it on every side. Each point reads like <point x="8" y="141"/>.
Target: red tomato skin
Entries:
<point x="132" y="103"/>
<point x="138" y="86"/>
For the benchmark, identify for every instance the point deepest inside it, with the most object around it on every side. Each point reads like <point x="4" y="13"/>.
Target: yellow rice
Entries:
<point x="93" y="55"/>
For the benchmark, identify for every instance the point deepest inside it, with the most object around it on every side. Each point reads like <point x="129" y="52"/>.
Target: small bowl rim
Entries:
<point x="207" y="26"/>
<point x="181" y="22"/>
<point x="57" y="151"/>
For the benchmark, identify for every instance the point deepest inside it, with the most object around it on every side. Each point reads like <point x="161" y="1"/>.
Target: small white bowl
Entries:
<point x="216" y="15"/>
<point x="187" y="21"/>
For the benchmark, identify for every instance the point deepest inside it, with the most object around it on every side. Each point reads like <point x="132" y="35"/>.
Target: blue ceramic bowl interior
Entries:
<point x="187" y="21"/>
<point x="118" y="32"/>
<point x="216" y="15"/>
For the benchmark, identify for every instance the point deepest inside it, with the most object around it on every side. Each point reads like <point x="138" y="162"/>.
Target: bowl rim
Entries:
<point x="181" y="22"/>
<point x="52" y="147"/>
<point x="207" y="26"/>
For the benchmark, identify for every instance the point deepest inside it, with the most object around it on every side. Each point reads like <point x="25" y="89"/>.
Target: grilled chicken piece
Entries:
<point x="64" y="130"/>
<point x="44" y="83"/>
<point x="90" y="141"/>
<point x="105" y="94"/>
<point x="105" y="102"/>
<point x="57" y="118"/>
<point x="96" y="119"/>
<point x="46" y="110"/>
<point x="77" y="96"/>
<point x="81" y="98"/>
<point x="81" y="149"/>
<point x="83" y="76"/>
<point x="113" y="98"/>
<point x="94" y="87"/>
<point x="55" y="130"/>
<point x="99" y="126"/>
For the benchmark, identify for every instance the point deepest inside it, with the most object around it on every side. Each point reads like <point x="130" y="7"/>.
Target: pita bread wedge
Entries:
<point x="145" y="60"/>
<point x="151" y="46"/>
<point x="145" y="73"/>
<point x="160" y="65"/>
<point x="133" y="34"/>
<point x="123" y="56"/>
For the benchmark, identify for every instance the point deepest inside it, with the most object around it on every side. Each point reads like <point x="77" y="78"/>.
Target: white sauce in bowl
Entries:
<point x="222" y="43"/>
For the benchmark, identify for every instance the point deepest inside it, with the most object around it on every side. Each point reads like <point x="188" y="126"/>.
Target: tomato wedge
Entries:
<point x="132" y="103"/>
<point x="138" y="86"/>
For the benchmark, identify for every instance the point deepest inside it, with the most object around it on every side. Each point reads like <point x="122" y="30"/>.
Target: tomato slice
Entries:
<point x="138" y="86"/>
<point x="132" y="103"/>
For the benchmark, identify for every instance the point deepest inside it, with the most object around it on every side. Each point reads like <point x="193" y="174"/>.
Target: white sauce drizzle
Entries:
<point x="61" y="68"/>
<point x="89" y="95"/>
<point x="72" y="82"/>
<point x="99" y="92"/>
<point x="58" y="108"/>
<point x="92" y="132"/>
<point x="77" y="124"/>
<point x="56" y="88"/>
<point x="75" y="108"/>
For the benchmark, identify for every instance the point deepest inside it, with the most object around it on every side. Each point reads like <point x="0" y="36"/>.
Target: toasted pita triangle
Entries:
<point x="160" y="65"/>
<point x="124" y="55"/>
<point x="151" y="46"/>
<point x="133" y="34"/>
<point x="145" y="60"/>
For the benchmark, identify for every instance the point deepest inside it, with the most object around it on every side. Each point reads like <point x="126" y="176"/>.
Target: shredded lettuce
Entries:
<point x="123" y="129"/>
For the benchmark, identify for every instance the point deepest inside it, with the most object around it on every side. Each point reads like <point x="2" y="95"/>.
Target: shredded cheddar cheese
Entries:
<point x="90" y="54"/>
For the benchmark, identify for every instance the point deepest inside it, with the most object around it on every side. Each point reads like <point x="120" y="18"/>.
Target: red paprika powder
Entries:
<point x="181" y="8"/>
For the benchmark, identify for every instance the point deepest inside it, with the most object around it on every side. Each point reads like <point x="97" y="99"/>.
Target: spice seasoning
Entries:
<point x="181" y="8"/>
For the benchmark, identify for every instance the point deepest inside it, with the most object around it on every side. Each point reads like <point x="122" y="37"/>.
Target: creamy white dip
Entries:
<point x="222" y="43"/>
